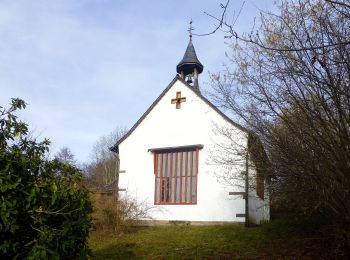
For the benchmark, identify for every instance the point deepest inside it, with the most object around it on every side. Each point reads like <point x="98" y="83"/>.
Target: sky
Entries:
<point x="86" y="67"/>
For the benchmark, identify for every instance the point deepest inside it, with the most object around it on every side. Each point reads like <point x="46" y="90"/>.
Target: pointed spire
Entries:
<point x="189" y="61"/>
<point x="190" y="65"/>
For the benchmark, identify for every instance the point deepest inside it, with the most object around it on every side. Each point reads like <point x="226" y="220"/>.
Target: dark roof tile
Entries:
<point x="189" y="59"/>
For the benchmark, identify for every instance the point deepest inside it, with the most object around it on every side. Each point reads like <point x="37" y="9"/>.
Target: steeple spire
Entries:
<point x="189" y="67"/>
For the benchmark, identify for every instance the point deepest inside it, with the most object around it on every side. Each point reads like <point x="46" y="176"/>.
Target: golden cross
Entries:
<point x="178" y="100"/>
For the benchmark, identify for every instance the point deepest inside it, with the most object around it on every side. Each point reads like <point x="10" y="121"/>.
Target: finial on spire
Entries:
<point x="190" y="29"/>
<point x="190" y="67"/>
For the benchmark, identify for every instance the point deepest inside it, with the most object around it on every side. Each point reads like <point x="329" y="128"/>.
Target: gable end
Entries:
<point x="177" y="77"/>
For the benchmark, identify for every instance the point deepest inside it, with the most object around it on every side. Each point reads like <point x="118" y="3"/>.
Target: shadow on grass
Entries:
<point x="116" y="251"/>
<point x="276" y="240"/>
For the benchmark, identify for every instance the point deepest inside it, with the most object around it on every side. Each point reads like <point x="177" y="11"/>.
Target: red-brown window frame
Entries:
<point x="176" y="152"/>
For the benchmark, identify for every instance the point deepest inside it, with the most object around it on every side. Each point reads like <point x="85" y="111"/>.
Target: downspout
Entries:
<point x="116" y="176"/>
<point x="246" y="187"/>
<point x="115" y="151"/>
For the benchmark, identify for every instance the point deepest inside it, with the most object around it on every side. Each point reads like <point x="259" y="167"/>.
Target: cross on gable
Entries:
<point x="178" y="100"/>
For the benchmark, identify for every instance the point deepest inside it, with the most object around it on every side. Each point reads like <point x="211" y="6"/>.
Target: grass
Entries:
<point x="276" y="240"/>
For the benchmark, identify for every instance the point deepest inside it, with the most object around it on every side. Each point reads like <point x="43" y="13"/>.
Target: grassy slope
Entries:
<point x="276" y="240"/>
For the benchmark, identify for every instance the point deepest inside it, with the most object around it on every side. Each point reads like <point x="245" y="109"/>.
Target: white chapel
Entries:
<point x="167" y="158"/>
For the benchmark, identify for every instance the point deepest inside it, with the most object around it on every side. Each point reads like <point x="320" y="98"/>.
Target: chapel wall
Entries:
<point x="258" y="208"/>
<point x="166" y="126"/>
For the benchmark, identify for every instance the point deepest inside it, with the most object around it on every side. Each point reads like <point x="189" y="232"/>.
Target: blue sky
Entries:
<point x="86" y="67"/>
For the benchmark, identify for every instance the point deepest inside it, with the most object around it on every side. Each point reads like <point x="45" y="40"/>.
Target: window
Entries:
<point x="176" y="171"/>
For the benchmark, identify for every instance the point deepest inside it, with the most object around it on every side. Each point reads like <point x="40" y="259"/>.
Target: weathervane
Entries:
<point x="190" y="29"/>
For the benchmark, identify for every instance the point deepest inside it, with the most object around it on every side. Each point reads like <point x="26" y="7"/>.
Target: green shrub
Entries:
<point x="44" y="214"/>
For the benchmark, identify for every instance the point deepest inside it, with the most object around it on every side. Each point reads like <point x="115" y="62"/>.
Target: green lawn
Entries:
<point x="202" y="242"/>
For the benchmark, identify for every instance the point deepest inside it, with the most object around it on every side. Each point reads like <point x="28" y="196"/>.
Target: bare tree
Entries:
<point x="65" y="155"/>
<point x="226" y="23"/>
<point x="290" y="85"/>
<point x="111" y="211"/>
<point x="105" y="163"/>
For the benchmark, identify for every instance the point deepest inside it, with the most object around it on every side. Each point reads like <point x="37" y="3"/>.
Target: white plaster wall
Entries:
<point x="166" y="126"/>
<point x="259" y="209"/>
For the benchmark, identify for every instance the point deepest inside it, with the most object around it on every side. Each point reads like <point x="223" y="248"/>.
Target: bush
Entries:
<point x="115" y="214"/>
<point x="105" y="214"/>
<point x="43" y="211"/>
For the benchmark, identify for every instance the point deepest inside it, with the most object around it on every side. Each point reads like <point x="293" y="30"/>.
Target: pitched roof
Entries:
<point x="177" y="77"/>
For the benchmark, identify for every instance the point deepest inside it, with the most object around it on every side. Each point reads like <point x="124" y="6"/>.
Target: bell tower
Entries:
<point x="190" y="67"/>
